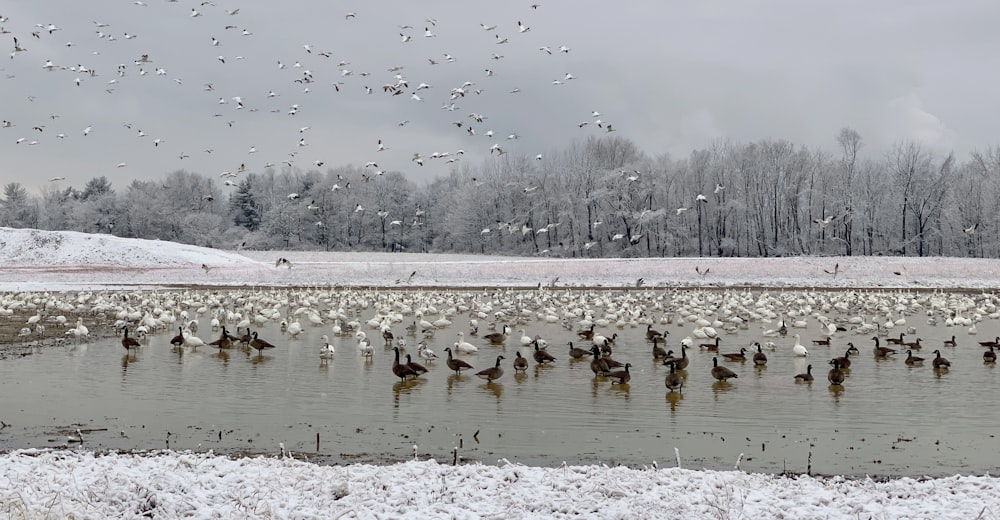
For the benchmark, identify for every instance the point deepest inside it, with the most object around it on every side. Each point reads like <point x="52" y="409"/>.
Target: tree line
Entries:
<point x="602" y="197"/>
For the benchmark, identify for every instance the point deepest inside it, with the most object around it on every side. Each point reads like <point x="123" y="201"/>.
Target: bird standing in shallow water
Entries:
<point x="400" y="370"/>
<point x="835" y="375"/>
<point x="493" y="373"/>
<point x="721" y="373"/>
<point x="456" y="364"/>
<point x="520" y="363"/>
<point x="940" y="362"/>
<point x="621" y="377"/>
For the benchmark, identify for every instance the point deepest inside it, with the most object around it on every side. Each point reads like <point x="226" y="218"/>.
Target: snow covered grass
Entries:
<point x="79" y="484"/>
<point x="44" y="260"/>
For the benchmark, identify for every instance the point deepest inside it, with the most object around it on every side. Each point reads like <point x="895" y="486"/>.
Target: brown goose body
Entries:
<point x="835" y="376"/>
<point x="951" y="342"/>
<point x="497" y="338"/>
<point x="652" y="333"/>
<point x="417" y="368"/>
<point x="259" y="344"/>
<point x="541" y="356"/>
<point x="806" y="377"/>
<point x="586" y="333"/>
<point x="894" y="341"/>
<point x="940" y="362"/>
<point x="845" y="361"/>
<point x="913" y="360"/>
<point x="711" y="347"/>
<point x="658" y="352"/>
<point x="680" y="363"/>
<point x="520" y="363"/>
<point x="129" y="343"/>
<point x="737" y="356"/>
<point x="759" y="358"/>
<point x="400" y="370"/>
<point x="598" y="364"/>
<point x="577" y="353"/>
<point x="178" y="340"/>
<point x="456" y="364"/>
<point x="621" y="377"/>
<point x="994" y="343"/>
<point x="913" y="345"/>
<point x="721" y="373"/>
<point x="493" y="373"/>
<point x="990" y="356"/>
<point x="673" y="381"/>
<point x="882" y="352"/>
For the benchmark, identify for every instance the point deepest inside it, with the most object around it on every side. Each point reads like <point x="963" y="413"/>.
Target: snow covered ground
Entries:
<point x="45" y="260"/>
<point x="78" y="484"/>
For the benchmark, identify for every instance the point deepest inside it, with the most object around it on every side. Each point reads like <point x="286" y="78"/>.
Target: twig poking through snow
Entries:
<point x="677" y="453"/>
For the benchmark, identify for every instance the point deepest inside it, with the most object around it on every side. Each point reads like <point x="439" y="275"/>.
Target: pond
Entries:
<point x="888" y="418"/>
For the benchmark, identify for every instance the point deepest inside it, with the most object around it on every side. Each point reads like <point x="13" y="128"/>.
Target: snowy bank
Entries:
<point x="70" y="484"/>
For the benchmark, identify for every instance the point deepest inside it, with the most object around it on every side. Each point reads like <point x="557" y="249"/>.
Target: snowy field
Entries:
<point x="77" y="484"/>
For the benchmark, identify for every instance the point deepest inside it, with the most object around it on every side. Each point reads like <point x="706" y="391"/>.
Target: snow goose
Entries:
<point x="464" y="347"/>
<point x="798" y="349"/>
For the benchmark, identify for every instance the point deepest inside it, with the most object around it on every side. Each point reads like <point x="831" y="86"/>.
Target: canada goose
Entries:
<point x="520" y="363"/>
<point x="737" y="356"/>
<point x="652" y="334"/>
<point x="852" y="349"/>
<point x="835" y="375"/>
<point x="798" y="349"/>
<point x="807" y="377"/>
<point x="658" y="352"/>
<point x="990" y="356"/>
<point x="260" y="344"/>
<point x="493" y="373"/>
<point x="387" y="336"/>
<point x="912" y="360"/>
<point x="605" y="348"/>
<point x="456" y="364"/>
<point x="577" y="353"/>
<point x="994" y="343"/>
<point x="622" y="376"/>
<point x="399" y="370"/>
<point x="913" y="345"/>
<point x="498" y="338"/>
<point x="223" y="342"/>
<point x="129" y="343"/>
<point x="881" y="352"/>
<point x="821" y="342"/>
<point x="711" y="347"/>
<point x="845" y="362"/>
<point x="682" y="362"/>
<point x="246" y="338"/>
<point x="673" y="381"/>
<point x="759" y="358"/>
<point x="721" y="373"/>
<point x="586" y="333"/>
<point x="178" y="340"/>
<point x="894" y="341"/>
<point x="940" y="362"/>
<point x="417" y="368"/>
<point x="541" y="356"/>
<point x="951" y="342"/>
<point x="598" y="364"/>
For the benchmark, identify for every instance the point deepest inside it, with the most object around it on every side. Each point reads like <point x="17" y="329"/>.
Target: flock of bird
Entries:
<point x="759" y="323"/>
<point x="431" y="72"/>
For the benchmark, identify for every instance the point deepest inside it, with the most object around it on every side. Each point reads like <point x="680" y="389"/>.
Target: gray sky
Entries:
<point x="672" y="76"/>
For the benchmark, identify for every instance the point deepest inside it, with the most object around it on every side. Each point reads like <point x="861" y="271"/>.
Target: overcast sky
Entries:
<point x="672" y="76"/>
